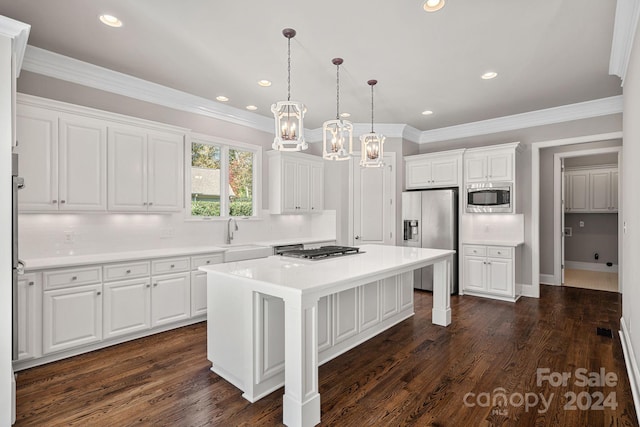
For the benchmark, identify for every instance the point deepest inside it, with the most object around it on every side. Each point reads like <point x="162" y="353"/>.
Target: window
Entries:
<point x="222" y="181"/>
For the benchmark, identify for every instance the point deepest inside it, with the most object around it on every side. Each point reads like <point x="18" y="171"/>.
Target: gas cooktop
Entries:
<point x="323" y="252"/>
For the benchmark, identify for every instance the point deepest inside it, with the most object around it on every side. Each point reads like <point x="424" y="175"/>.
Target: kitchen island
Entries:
<point x="273" y="321"/>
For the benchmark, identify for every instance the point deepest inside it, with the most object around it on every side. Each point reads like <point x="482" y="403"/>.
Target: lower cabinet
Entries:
<point x="198" y="293"/>
<point x="170" y="298"/>
<point x="490" y="271"/>
<point x="71" y="317"/>
<point x="29" y="316"/>
<point x="127" y="307"/>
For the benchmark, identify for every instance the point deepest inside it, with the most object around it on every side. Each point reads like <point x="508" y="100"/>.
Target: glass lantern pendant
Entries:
<point x="337" y="135"/>
<point x="289" y="131"/>
<point x="372" y="143"/>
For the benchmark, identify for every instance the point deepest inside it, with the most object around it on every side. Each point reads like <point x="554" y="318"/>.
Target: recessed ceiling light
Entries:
<point x="111" y="21"/>
<point x="345" y="115"/>
<point x="222" y="98"/>
<point x="489" y="75"/>
<point x="264" y="83"/>
<point x="433" y="5"/>
<point x="251" y="107"/>
<point x="427" y="112"/>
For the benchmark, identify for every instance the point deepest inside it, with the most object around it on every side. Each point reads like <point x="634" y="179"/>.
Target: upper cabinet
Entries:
<point x="78" y="159"/>
<point x="145" y="170"/>
<point x="296" y="183"/>
<point x="489" y="164"/>
<point x="433" y="170"/>
<point x="591" y="189"/>
<point x="63" y="161"/>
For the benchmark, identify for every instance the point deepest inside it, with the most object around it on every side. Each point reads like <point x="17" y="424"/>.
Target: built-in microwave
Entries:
<point x="489" y="198"/>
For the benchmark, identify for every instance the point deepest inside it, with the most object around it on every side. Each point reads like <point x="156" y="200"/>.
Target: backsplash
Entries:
<point x="45" y="235"/>
<point x="492" y="227"/>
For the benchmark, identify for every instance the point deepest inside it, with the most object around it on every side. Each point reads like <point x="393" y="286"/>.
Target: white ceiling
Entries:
<point x="547" y="54"/>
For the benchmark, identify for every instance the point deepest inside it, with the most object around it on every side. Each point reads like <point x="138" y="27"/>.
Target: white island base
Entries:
<point x="263" y="312"/>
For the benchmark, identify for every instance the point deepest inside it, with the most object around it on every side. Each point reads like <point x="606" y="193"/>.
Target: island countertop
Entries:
<point x="304" y="275"/>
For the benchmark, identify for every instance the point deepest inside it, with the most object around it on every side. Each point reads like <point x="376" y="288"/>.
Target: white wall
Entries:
<point x="5" y="231"/>
<point x="631" y="199"/>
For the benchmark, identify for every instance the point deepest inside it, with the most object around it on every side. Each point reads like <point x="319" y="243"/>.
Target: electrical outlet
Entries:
<point x="581" y="224"/>
<point x="69" y="236"/>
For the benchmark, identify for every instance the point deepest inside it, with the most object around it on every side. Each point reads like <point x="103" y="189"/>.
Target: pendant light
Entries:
<point x="337" y="135"/>
<point x="372" y="143"/>
<point x="289" y="134"/>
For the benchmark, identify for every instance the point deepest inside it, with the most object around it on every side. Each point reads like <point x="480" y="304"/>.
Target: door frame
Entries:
<point x="394" y="191"/>
<point x="534" y="289"/>
<point x="558" y="210"/>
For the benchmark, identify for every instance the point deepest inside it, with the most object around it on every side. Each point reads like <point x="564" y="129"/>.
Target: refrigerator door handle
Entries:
<point x="20" y="267"/>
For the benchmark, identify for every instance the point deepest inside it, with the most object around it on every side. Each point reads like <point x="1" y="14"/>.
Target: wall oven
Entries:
<point x="489" y="198"/>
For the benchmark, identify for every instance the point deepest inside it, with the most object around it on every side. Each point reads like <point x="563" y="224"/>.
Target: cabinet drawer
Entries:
<point x="169" y="265"/>
<point x="499" y="252"/>
<point x="198" y="261"/>
<point x="126" y="271"/>
<point x="71" y="277"/>
<point x="475" y="250"/>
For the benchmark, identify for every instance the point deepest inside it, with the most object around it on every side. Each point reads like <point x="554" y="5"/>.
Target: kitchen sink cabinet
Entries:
<point x="296" y="183"/>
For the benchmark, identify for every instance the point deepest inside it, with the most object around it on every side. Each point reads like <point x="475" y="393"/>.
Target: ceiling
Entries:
<point x="547" y="54"/>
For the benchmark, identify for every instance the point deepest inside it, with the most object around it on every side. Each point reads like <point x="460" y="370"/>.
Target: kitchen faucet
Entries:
<point x="230" y="231"/>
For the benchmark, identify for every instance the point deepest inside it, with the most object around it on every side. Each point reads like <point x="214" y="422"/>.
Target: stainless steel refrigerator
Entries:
<point x="430" y="220"/>
<point x="17" y="265"/>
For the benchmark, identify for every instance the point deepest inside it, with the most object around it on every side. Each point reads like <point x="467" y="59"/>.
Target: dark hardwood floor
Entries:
<point x="413" y="374"/>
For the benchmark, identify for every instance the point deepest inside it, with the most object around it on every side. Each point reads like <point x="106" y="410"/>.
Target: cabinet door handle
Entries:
<point x="208" y="262"/>
<point x="144" y="203"/>
<point x="54" y="201"/>
<point x="128" y="271"/>
<point x="74" y="278"/>
<point x="98" y="293"/>
<point x="357" y="237"/>
<point x="155" y="284"/>
<point x="31" y="283"/>
<point x="63" y="201"/>
<point x="148" y="286"/>
<point x="150" y="203"/>
<point x="172" y="265"/>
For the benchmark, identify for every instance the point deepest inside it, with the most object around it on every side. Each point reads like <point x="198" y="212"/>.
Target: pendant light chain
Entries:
<point x="372" y="109"/>
<point x="288" y="69"/>
<point x="338" y="92"/>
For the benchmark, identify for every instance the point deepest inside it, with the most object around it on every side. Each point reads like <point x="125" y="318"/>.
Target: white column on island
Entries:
<point x="301" y="401"/>
<point x="441" y="312"/>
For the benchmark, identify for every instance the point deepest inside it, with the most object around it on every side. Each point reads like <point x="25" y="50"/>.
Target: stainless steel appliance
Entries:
<point x="279" y="250"/>
<point x="322" y="252"/>
<point x="430" y="220"/>
<point x="17" y="265"/>
<point x="489" y="197"/>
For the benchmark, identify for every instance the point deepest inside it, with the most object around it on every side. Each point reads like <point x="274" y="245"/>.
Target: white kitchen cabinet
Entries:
<point x="577" y="199"/>
<point x="591" y="190"/>
<point x="72" y="317"/>
<point x="490" y="271"/>
<point x="127" y="307"/>
<point x="63" y="160"/>
<point x="296" y="183"/>
<point x="490" y="164"/>
<point x="145" y="170"/>
<point x="433" y="170"/>
<point x="199" y="282"/>
<point x="29" y="316"/>
<point x="37" y="136"/>
<point x="170" y="298"/>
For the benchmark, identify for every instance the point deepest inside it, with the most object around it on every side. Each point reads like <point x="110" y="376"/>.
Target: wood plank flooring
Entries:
<point x="413" y="374"/>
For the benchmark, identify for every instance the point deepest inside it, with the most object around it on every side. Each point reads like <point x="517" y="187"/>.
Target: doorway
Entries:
<point x="586" y="208"/>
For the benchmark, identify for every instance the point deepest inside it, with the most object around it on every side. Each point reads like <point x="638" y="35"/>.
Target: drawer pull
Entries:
<point x="208" y="262"/>
<point x="128" y="271"/>
<point x="499" y="253"/>
<point x="98" y="293"/>
<point x="74" y="278"/>
<point x="31" y="283"/>
<point x="148" y="286"/>
<point x="155" y="284"/>
<point x="172" y="265"/>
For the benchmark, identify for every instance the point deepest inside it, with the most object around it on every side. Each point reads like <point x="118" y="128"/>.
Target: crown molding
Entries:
<point x="624" y="31"/>
<point x="62" y="67"/>
<point x="564" y="113"/>
<point x="19" y="32"/>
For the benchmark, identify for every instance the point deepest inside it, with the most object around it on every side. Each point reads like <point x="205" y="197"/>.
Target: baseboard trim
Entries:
<point x="590" y="266"/>
<point x="632" y="367"/>
<point x="548" y="279"/>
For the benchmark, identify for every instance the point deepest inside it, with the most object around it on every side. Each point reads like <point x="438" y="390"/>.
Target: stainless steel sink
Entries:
<point x="240" y="252"/>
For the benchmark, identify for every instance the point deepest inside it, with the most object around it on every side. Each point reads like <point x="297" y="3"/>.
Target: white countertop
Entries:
<point x="512" y="243"/>
<point x="101" y="258"/>
<point x="306" y="275"/>
<point x="294" y="240"/>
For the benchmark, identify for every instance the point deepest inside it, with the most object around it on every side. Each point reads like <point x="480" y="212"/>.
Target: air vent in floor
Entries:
<point x="604" y="332"/>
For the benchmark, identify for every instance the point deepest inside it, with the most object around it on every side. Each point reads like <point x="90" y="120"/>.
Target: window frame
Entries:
<point x="225" y="145"/>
